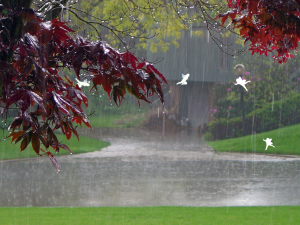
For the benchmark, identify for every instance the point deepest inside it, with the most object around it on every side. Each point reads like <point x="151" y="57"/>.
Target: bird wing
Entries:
<point x="79" y="82"/>
<point x="85" y="83"/>
<point x="185" y="77"/>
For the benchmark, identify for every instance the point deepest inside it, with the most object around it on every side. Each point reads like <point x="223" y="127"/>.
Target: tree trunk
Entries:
<point x="211" y="95"/>
<point x="13" y="4"/>
<point x="174" y="99"/>
<point x="14" y="28"/>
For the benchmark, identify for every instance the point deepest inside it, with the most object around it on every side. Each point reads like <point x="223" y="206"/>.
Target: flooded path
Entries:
<point x="142" y="168"/>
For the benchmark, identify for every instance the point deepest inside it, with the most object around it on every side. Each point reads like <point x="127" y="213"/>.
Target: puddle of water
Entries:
<point x="98" y="182"/>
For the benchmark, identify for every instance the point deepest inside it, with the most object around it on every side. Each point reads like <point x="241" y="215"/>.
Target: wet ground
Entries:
<point x="143" y="168"/>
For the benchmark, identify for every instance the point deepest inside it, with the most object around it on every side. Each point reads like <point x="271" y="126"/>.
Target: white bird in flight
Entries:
<point x="268" y="143"/>
<point x="82" y="83"/>
<point x="184" y="79"/>
<point x="242" y="82"/>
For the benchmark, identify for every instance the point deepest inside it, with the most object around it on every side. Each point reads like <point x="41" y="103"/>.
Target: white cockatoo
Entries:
<point x="82" y="83"/>
<point x="268" y="143"/>
<point x="184" y="79"/>
<point x="242" y="82"/>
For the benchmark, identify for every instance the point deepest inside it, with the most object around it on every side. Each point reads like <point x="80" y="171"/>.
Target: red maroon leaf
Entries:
<point x="78" y="60"/>
<point x="63" y="104"/>
<point x="151" y="68"/>
<point x="33" y="27"/>
<point x="53" y="160"/>
<point x="17" y="122"/>
<point x="35" y="143"/>
<point x="79" y="119"/>
<point x="61" y="145"/>
<point x="44" y="141"/>
<point x="74" y="92"/>
<point x="54" y="138"/>
<point x="15" y="135"/>
<point x="45" y="36"/>
<point x="27" y="14"/>
<point x="26" y="141"/>
<point x="141" y="65"/>
<point x="37" y="99"/>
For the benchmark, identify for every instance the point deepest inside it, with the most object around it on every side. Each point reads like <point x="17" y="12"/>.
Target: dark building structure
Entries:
<point x="206" y="64"/>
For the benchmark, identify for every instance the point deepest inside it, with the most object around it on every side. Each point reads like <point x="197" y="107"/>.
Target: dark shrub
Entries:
<point x="284" y="113"/>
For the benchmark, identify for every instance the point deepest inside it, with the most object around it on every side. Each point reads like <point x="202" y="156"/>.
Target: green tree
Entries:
<point x="270" y="82"/>
<point x="136" y="21"/>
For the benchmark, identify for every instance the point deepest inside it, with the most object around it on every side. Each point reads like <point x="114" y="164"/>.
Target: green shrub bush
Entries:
<point x="208" y="137"/>
<point x="282" y="113"/>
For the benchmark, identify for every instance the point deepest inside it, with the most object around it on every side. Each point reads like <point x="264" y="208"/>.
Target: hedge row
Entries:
<point x="284" y="113"/>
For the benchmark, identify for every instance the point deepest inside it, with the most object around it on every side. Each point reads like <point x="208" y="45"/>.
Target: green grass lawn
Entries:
<point x="286" y="141"/>
<point x="152" y="215"/>
<point x="85" y="144"/>
<point x="115" y="120"/>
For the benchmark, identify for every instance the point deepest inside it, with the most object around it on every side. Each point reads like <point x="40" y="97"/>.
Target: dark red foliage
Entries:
<point x="269" y="25"/>
<point x="30" y="73"/>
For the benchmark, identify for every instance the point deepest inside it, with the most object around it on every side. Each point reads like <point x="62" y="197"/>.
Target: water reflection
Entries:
<point x="98" y="182"/>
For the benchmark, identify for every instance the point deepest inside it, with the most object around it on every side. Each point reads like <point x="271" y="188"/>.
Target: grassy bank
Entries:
<point x="85" y="144"/>
<point x="286" y="141"/>
<point x="115" y="120"/>
<point x="152" y="215"/>
<point x="10" y="151"/>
